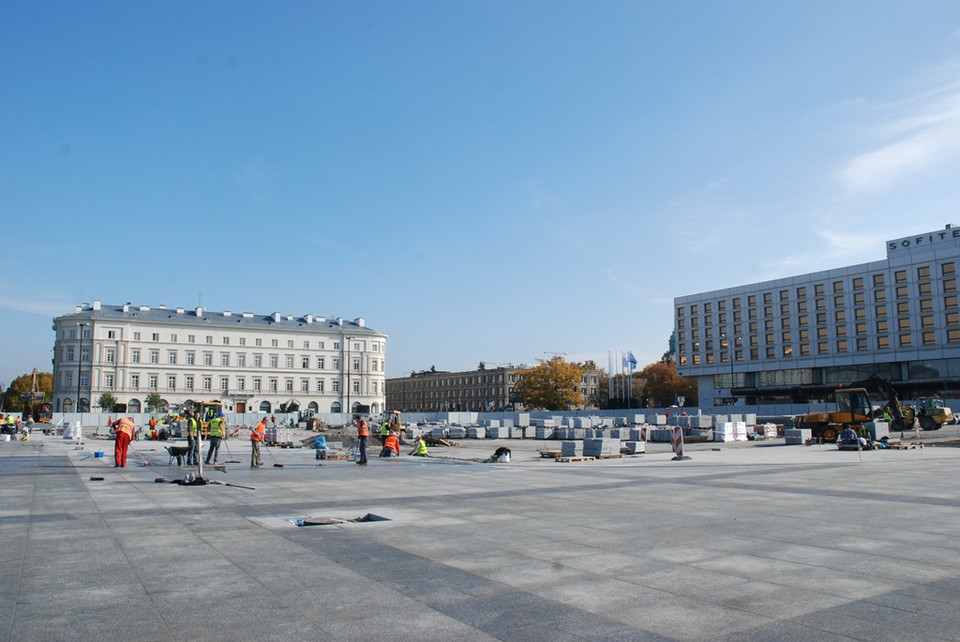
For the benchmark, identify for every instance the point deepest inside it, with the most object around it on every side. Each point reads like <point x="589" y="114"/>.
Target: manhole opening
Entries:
<point x="334" y="521"/>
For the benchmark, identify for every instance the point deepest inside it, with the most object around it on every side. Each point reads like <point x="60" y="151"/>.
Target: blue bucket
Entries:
<point x="98" y="454"/>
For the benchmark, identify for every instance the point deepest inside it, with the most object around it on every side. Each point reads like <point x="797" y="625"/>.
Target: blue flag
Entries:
<point x="632" y="359"/>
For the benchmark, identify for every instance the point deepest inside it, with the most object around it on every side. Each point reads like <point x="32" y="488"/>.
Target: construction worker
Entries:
<point x="123" y="428"/>
<point x="218" y="431"/>
<point x="419" y="447"/>
<point x="257" y="435"/>
<point x="153" y="428"/>
<point x="193" y="428"/>
<point x="363" y="431"/>
<point x="391" y="446"/>
<point x="384" y="432"/>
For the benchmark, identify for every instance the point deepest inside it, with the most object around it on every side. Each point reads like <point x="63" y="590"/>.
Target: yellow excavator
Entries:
<point x="854" y="408"/>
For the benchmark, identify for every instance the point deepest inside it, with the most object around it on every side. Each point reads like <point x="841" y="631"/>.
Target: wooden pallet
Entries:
<point x="550" y="454"/>
<point x="618" y="456"/>
<point x="337" y="456"/>
<point x="566" y="459"/>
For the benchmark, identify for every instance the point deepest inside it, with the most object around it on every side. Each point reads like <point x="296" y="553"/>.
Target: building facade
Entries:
<point x="248" y="362"/>
<point x="481" y="390"/>
<point x="796" y="339"/>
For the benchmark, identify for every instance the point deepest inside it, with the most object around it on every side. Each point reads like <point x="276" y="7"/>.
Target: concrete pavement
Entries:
<point x="755" y="541"/>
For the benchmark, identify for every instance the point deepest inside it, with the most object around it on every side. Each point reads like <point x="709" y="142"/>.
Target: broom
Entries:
<point x="230" y="454"/>
<point x="277" y="464"/>
<point x="145" y="462"/>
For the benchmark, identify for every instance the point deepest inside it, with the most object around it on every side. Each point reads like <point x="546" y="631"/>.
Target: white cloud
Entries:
<point x="916" y="137"/>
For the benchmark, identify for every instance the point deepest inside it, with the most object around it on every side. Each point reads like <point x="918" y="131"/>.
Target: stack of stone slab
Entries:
<point x="601" y="447"/>
<point x="634" y="447"/>
<point x="730" y="431"/>
<point x="659" y="435"/>
<point x="797" y="436"/>
<point x="497" y="432"/>
<point x="478" y="432"/>
<point x="439" y="432"/>
<point x="546" y="432"/>
<point x="456" y="432"/>
<point x="516" y="432"/>
<point x="658" y="420"/>
<point x="635" y="420"/>
<point x="571" y="449"/>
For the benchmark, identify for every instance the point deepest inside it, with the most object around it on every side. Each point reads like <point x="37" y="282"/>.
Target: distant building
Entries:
<point x="481" y="390"/>
<point x="796" y="339"/>
<point x="249" y="362"/>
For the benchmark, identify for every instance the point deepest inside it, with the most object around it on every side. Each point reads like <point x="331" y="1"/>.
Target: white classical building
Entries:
<point x="248" y="362"/>
<point x="796" y="339"/>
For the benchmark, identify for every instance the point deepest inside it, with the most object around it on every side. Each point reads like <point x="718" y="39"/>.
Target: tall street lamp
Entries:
<point x="80" y="327"/>
<point x="346" y="366"/>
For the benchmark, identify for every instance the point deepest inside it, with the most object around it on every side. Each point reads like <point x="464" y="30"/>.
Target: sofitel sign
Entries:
<point x="932" y="238"/>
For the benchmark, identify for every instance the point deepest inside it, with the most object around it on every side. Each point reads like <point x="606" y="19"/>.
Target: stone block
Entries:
<point x="796" y="436"/>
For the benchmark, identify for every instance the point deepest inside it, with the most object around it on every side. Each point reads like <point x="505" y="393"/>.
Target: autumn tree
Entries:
<point x="662" y="384"/>
<point x="553" y="385"/>
<point x="13" y="397"/>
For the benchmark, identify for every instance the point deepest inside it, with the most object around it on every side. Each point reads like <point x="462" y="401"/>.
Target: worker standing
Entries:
<point x="363" y="431"/>
<point x="384" y="431"/>
<point x="193" y="426"/>
<point x="123" y="428"/>
<point x="218" y="431"/>
<point x="257" y="435"/>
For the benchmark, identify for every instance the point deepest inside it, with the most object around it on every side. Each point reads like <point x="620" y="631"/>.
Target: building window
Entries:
<point x="950" y="302"/>
<point x="838" y="301"/>
<point x="243" y="341"/>
<point x="288" y="385"/>
<point x="208" y="340"/>
<point x="877" y="280"/>
<point x="172" y="358"/>
<point x="840" y="316"/>
<point x="858" y="283"/>
<point x="306" y="345"/>
<point x="154" y="356"/>
<point x="861" y="344"/>
<point x="136" y="336"/>
<point x="903" y="307"/>
<point x="356" y="364"/>
<point x="822" y="347"/>
<point x="950" y="285"/>
<point x="191" y="338"/>
<point x="241" y="383"/>
<point x="208" y="383"/>
<point x="923" y="272"/>
<point x="171" y="382"/>
<point x="173" y="338"/>
<point x="152" y="382"/>
<point x="929" y="338"/>
<point x="837" y="287"/>
<point x="785" y="309"/>
<point x="336" y="363"/>
<point x="319" y="385"/>
<point x="953" y="318"/>
<point x="188" y="383"/>
<point x="289" y="343"/>
<point x="842" y="345"/>
<point x="883" y="343"/>
<point x="905" y="341"/>
<point x="289" y="362"/>
<point x="305" y="362"/>
<point x="258" y="342"/>
<point x="273" y="385"/>
<point x="108" y="381"/>
<point x="134" y="356"/>
<point x="256" y="384"/>
<point x="274" y="343"/>
<point x="859" y="298"/>
<point x="335" y="386"/>
<point x="804" y="349"/>
<point x="319" y="363"/>
<point x="111" y="334"/>
<point x="110" y="355"/>
<point x="819" y="289"/>
<point x="903" y="324"/>
<point x="841" y="330"/>
<point x="191" y="358"/>
<point x="304" y="385"/>
<point x="925" y="289"/>
<point x="155" y="336"/>
<point x="207" y="359"/>
<point x="926" y="305"/>
<point x="257" y="361"/>
<point x="134" y="381"/>
<point x="241" y="361"/>
<point x="356" y="387"/>
<point x="926" y="321"/>
<point x="900" y="276"/>
<point x="274" y="360"/>
<point x="861" y="328"/>
<point x="953" y="336"/>
<point x="225" y="360"/>
<point x="881" y="310"/>
<point x="224" y="383"/>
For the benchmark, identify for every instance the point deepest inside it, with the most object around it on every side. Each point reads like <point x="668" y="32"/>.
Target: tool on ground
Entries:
<point x="277" y="464"/>
<point x="145" y="462"/>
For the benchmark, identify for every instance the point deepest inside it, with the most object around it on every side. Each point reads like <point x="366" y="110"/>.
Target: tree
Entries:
<point x="553" y="385"/>
<point x="154" y="402"/>
<point x="107" y="401"/>
<point x="662" y="384"/>
<point x="13" y="397"/>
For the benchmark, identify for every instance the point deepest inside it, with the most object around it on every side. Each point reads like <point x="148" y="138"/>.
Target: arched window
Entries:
<point x="313" y="408"/>
<point x="83" y="405"/>
<point x="375" y="408"/>
<point x="264" y="406"/>
<point x="335" y="407"/>
<point x="133" y="406"/>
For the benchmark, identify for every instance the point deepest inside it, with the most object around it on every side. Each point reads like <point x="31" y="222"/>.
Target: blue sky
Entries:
<point x="480" y="180"/>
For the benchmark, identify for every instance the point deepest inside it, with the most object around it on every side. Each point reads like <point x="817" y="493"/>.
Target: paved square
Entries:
<point x="754" y="541"/>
